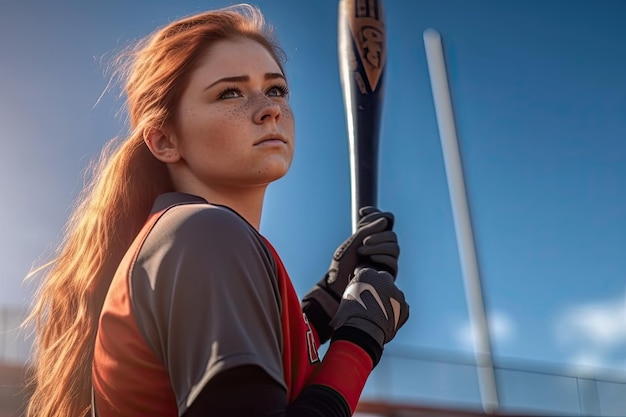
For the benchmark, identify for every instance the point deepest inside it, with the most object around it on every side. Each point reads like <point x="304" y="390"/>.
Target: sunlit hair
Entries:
<point x="114" y="205"/>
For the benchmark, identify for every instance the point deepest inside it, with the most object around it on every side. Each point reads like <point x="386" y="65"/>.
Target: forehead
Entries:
<point x="235" y="57"/>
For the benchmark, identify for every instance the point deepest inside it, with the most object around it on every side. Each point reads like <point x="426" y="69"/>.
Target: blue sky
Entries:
<point x="539" y="89"/>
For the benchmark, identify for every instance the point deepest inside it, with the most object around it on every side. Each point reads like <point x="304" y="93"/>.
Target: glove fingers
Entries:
<point x="362" y="232"/>
<point x="386" y="248"/>
<point x="370" y="217"/>
<point x="375" y="214"/>
<point x="381" y="251"/>
<point x="385" y="236"/>
<point x="364" y="211"/>
<point x="385" y="263"/>
<point x="377" y="226"/>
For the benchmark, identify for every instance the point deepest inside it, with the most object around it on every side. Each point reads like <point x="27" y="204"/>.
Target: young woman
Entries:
<point x="164" y="299"/>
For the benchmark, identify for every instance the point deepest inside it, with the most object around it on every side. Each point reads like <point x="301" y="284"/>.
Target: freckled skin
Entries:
<point x="216" y="134"/>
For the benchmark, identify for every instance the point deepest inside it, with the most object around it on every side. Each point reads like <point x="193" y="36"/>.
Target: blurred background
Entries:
<point x="539" y="92"/>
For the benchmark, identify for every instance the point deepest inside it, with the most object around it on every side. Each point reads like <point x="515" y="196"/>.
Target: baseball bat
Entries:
<point x="362" y="57"/>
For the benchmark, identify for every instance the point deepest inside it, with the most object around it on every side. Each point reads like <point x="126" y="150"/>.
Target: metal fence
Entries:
<point x="449" y="380"/>
<point x="434" y="378"/>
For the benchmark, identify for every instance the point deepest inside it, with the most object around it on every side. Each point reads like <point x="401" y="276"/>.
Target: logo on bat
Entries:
<point x="368" y="33"/>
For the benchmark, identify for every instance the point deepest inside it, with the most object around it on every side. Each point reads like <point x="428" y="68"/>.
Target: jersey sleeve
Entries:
<point x="205" y="297"/>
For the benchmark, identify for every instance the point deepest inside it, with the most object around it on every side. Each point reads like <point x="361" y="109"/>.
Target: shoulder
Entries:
<point x="192" y="247"/>
<point x="195" y="218"/>
<point x="205" y="296"/>
<point x="191" y="240"/>
<point x="207" y="226"/>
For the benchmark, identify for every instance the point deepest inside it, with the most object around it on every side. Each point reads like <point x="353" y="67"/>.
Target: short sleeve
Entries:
<point x="205" y="297"/>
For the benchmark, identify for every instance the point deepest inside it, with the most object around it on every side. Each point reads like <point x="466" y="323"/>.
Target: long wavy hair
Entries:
<point x="115" y="203"/>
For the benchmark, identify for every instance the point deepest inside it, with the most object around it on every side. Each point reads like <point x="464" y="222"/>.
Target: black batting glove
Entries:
<point x="371" y="311"/>
<point x="374" y="244"/>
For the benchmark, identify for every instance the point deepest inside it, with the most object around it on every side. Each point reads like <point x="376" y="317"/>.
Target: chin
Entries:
<point x="274" y="171"/>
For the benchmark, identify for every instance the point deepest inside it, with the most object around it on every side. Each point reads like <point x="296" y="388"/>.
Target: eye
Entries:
<point x="278" y="90"/>
<point x="229" y="92"/>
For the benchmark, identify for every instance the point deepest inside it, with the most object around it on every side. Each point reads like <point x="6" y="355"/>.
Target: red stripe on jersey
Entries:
<point x="299" y="363"/>
<point x="141" y="388"/>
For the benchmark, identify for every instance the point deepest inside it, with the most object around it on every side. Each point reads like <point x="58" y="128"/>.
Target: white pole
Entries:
<point x="462" y="222"/>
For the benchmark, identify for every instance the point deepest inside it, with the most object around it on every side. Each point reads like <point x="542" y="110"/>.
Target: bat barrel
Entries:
<point x="362" y="57"/>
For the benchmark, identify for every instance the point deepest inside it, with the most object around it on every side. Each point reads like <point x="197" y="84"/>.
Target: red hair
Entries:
<point x="114" y="205"/>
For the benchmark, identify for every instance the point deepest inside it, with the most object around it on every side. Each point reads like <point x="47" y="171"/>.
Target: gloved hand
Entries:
<point x="374" y="244"/>
<point x="371" y="311"/>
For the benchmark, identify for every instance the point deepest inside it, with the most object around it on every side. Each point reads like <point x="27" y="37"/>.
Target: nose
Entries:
<point x="268" y="111"/>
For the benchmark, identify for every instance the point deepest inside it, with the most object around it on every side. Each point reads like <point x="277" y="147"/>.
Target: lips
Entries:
<point x="270" y="138"/>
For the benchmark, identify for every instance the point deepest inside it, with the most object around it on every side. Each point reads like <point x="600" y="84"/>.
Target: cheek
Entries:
<point x="288" y="116"/>
<point x="235" y="115"/>
<point x="210" y="130"/>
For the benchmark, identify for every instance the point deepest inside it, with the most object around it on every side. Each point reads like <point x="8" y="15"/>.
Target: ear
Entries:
<point x="162" y="143"/>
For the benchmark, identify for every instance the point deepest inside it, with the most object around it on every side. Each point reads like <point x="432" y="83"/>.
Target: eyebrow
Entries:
<point x="245" y="78"/>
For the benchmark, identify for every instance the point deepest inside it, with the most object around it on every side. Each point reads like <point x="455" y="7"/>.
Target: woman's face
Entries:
<point x="234" y="126"/>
